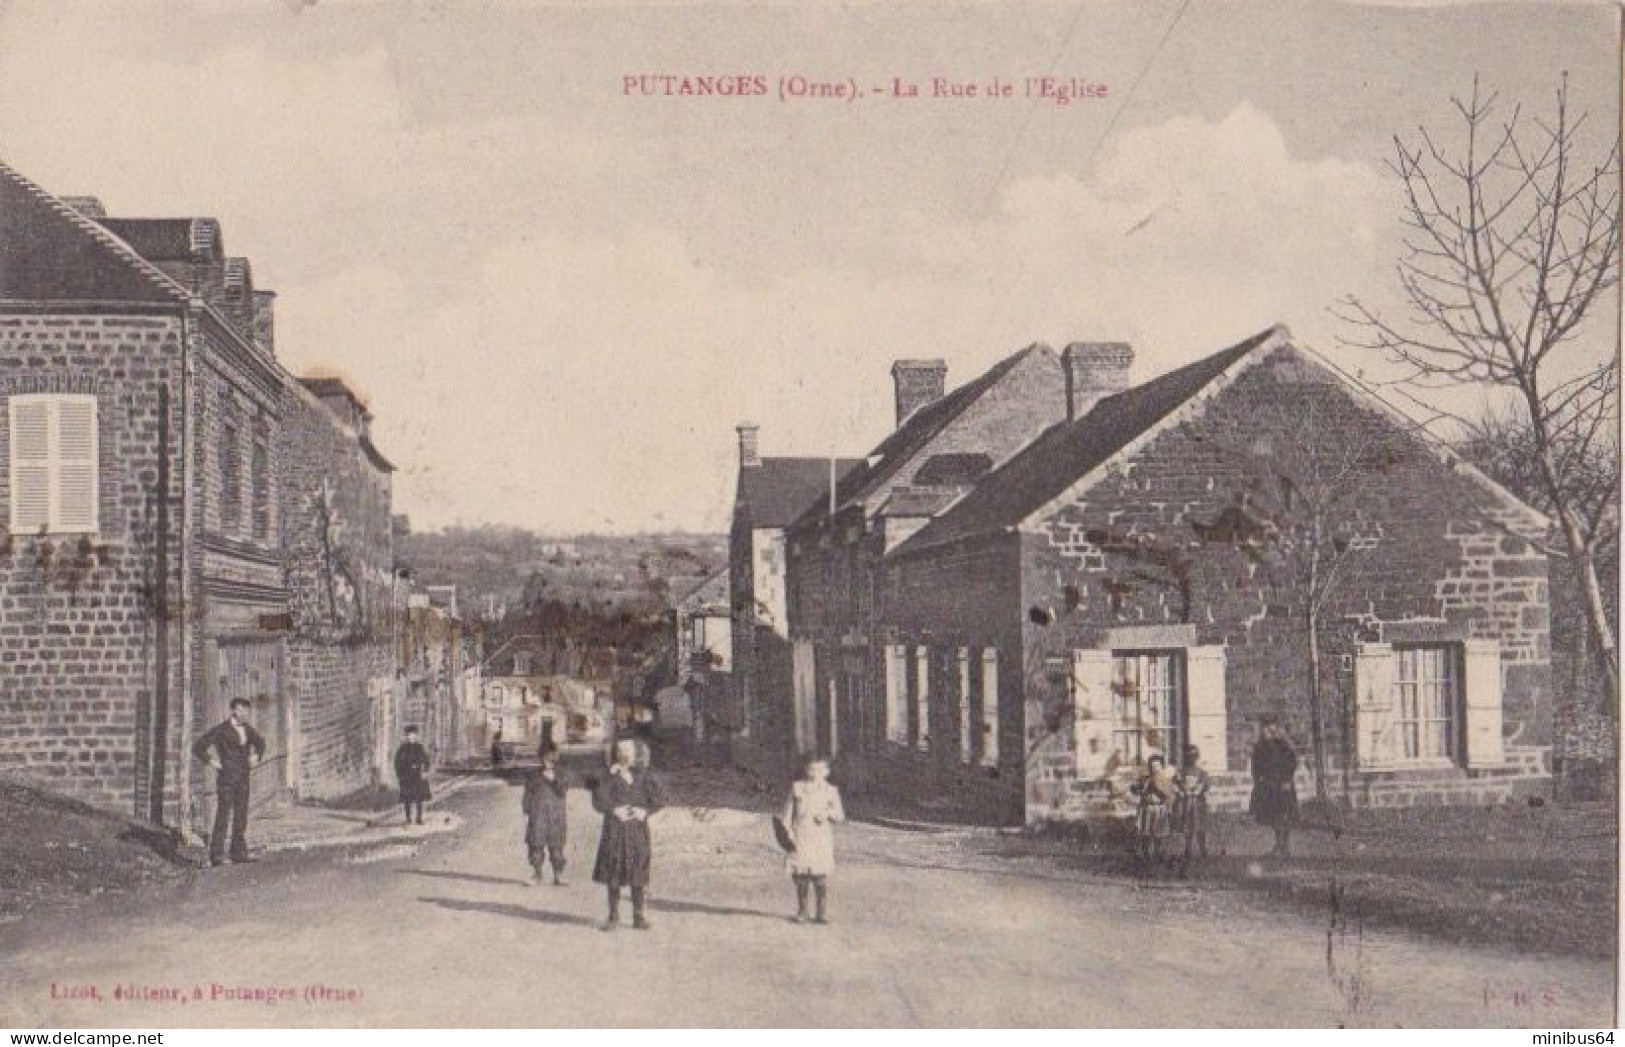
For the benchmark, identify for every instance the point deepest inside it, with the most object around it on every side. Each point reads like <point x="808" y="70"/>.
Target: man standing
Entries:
<point x="233" y="749"/>
<point x="412" y="774"/>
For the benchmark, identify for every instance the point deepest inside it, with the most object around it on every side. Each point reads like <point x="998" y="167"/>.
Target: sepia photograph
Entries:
<point x="846" y="515"/>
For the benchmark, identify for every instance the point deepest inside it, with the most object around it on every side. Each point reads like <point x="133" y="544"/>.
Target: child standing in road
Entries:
<point x="1190" y="804"/>
<point x="544" y="806"/>
<point x="810" y="812"/>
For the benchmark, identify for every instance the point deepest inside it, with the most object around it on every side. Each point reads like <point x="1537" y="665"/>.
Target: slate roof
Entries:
<point x="50" y="252"/>
<point x="711" y="594"/>
<point x="168" y="239"/>
<point x="781" y="489"/>
<point x="1067" y="451"/>
<point x="896" y="450"/>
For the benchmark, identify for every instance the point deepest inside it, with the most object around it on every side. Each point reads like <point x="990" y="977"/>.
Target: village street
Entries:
<point x="930" y="928"/>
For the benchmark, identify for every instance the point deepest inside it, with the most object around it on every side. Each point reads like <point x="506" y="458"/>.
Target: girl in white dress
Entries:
<point x="810" y="812"/>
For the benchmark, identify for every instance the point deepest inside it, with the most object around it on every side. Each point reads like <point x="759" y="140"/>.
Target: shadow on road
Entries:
<point x="518" y="912"/>
<point x="470" y="877"/>
<point x="673" y="905"/>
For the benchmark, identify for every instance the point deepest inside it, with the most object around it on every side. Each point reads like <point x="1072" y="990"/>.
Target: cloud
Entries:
<point x="558" y="315"/>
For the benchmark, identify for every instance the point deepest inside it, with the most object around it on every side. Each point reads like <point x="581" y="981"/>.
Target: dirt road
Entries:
<point x="931" y="929"/>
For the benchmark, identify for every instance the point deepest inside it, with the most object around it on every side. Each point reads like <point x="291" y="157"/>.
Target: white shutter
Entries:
<point x="76" y="464"/>
<point x="896" y="703"/>
<point x="1205" y="707"/>
<point x="804" y="695"/>
<point x="1374" y="735"/>
<point x="30" y="464"/>
<point x="965" y="752"/>
<point x="1482" y="686"/>
<point x="990" y="707"/>
<point x="53" y="463"/>
<point x="922" y="697"/>
<point x="1092" y="705"/>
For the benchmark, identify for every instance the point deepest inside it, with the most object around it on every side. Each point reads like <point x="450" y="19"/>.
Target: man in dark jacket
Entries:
<point x="412" y="774"/>
<point x="1275" y="798"/>
<point x="233" y="749"/>
<point x="544" y="804"/>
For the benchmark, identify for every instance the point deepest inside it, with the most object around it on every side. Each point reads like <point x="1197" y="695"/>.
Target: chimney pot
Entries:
<point x="749" y="457"/>
<point x="265" y="321"/>
<point x="918" y="383"/>
<point x="1094" y="371"/>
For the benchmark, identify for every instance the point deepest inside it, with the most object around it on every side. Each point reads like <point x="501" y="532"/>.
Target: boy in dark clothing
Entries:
<point x="544" y="804"/>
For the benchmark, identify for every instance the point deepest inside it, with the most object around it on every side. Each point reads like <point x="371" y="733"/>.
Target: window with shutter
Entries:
<point x="896" y="698"/>
<point x="231" y="481"/>
<point x="1148" y="706"/>
<point x="922" y="698"/>
<point x="1092" y="703"/>
<point x="54" y="464"/>
<point x="1206" y="718"/>
<point x="1482" y="693"/>
<point x="990" y="707"/>
<point x="1374" y="733"/>
<point x="965" y="736"/>
<point x="260" y="489"/>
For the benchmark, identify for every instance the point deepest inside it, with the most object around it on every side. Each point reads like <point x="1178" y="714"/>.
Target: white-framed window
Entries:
<point x="55" y="450"/>
<point x="922" y="698"/>
<point x="1148" y="704"/>
<point x="1427" y="702"/>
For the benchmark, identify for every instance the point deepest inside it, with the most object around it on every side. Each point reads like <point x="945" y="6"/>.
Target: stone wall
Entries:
<point x="1433" y="556"/>
<point x="336" y="543"/>
<point x="78" y="639"/>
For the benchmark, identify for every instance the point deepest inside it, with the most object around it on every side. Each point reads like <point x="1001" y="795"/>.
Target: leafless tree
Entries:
<point x="1512" y="241"/>
<point x="1304" y="474"/>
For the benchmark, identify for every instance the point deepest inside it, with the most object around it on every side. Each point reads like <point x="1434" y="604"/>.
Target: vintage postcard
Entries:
<point x="1049" y="514"/>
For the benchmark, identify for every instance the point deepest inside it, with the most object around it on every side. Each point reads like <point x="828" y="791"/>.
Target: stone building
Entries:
<point x="1138" y="578"/>
<point x="821" y="698"/>
<point x="156" y="561"/>
<point x="703" y="646"/>
<point x="770" y="494"/>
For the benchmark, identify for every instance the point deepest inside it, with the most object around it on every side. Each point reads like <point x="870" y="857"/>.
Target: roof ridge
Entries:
<point x="97" y="232"/>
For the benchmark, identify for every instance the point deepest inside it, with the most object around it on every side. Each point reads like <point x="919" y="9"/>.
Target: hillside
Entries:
<point x="507" y="568"/>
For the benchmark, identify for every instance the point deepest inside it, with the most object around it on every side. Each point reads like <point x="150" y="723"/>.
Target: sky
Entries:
<point x="559" y="298"/>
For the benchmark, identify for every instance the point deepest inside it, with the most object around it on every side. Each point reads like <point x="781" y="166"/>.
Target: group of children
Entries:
<point x="630" y="793"/>
<point x="1172" y="805"/>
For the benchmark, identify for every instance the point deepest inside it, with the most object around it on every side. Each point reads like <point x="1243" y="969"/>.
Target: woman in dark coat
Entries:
<point x="1275" y="798"/>
<point x="626" y="797"/>
<point x="412" y="772"/>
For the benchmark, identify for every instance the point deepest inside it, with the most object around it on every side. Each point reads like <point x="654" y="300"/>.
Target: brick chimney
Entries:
<point x="749" y="456"/>
<point x="918" y="382"/>
<point x="1094" y="371"/>
<point x="265" y="321"/>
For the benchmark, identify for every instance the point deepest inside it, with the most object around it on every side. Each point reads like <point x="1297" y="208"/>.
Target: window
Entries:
<point x="54" y="458"/>
<point x="231" y="481"/>
<point x="922" y="698"/>
<point x="990" y="707"/>
<point x="966" y="749"/>
<point x="260" y="489"/>
<point x="1148" y="704"/>
<point x="897" y="694"/>
<point x="1427" y="694"/>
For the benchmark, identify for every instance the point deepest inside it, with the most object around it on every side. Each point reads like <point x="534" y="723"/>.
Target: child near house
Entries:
<point x="810" y="813"/>
<point x="544" y="805"/>
<point x="1190" y="813"/>
<point x="1152" y="821"/>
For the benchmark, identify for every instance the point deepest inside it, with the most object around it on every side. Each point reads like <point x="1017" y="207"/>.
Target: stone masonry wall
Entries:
<point x="1436" y="557"/>
<point x="77" y="633"/>
<point x="337" y="548"/>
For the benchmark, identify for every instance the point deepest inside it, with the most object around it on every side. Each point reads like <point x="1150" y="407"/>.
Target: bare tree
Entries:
<point x="1512" y="240"/>
<point x="1305" y="474"/>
